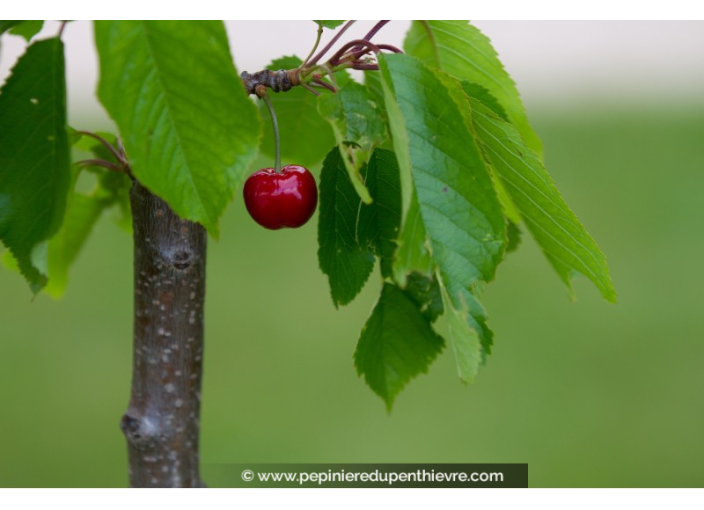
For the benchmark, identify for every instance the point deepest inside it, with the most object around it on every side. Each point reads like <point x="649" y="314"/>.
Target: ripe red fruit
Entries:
<point x="281" y="200"/>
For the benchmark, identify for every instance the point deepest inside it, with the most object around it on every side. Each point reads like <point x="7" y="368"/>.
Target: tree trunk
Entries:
<point x="162" y="421"/>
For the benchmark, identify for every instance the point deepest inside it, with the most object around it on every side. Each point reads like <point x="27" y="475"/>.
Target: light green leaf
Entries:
<point x="460" y="226"/>
<point x="413" y="252"/>
<point x="305" y="136"/>
<point x="563" y="239"/>
<point x="397" y="343"/>
<point x="330" y="23"/>
<point x="34" y="156"/>
<point x="27" y="28"/>
<point x="461" y="50"/>
<point x="183" y="114"/>
<point x="344" y="255"/>
<point x="430" y="124"/>
<point x="81" y="214"/>
<point x="463" y="338"/>
<point x="356" y="123"/>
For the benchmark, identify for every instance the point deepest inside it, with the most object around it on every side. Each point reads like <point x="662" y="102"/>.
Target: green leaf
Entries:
<point x="344" y="257"/>
<point x="330" y="23"/>
<point x="558" y="232"/>
<point x="34" y="156"/>
<point x="430" y="124"/>
<point x="425" y="292"/>
<point x="461" y="50"/>
<point x="27" y="28"/>
<point x="459" y="221"/>
<point x="81" y="214"/>
<point x="372" y="80"/>
<point x="6" y="25"/>
<point x="305" y="135"/>
<point x="513" y="232"/>
<point x="463" y="338"/>
<point x="351" y="232"/>
<point x="413" y="252"/>
<point x="188" y="126"/>
<point x="380" y="221"/>
<point x="356" y="123"/>
<point x="397" y="343"/>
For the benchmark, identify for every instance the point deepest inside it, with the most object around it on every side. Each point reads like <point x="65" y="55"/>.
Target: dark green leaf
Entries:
<point x="330" y="23"/>
<point x="563" y="239"/>
<point x="425" y="292"/>
<point x="6" y="25"/>
<point x="34" y="156"/>
<point x="186" y="121"/>
<point x="396" y="344"/>
<point x="461" y="50"/>
<point x="349" y="231"/>
<point x="380" y="221"/>
<point x="305" y="135"/>
<point x="478" y="92"/>
<point x="344" y="257"/>
<point x="513" y="232"/>
<point x="356" y="123"/>
<point x="27" y="28"/>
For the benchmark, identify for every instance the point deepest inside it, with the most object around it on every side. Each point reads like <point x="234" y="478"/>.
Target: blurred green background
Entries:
<point x="587" y="393"/>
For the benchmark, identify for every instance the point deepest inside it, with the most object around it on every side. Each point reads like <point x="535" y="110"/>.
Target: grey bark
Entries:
<point x="161" y="423"/>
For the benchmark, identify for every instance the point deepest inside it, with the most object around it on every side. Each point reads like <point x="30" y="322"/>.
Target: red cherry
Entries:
<point x="281" y="200"/>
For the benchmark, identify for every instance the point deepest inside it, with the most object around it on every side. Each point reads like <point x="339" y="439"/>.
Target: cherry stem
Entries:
<point x="365" y="45"/>
<point x="277" y="145"/>
<point x="390" y="48"/>
<point x="318" y="79"/>
<point x="115" y="152"/>
<point x="329" y="45"/>
<point x="101" y="163"/>
<point x="61" y="28"/>
<point x="315" y="47"/>
<point x="375" y="29"/>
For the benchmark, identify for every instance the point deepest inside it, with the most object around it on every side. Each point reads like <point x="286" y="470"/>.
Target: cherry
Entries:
<point x="285" y="199"/>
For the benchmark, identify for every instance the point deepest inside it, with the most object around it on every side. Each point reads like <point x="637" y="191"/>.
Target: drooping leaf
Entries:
<point x="344" y="256"/>
<point x="27" y="28"/>
<point x="463" y="338"/>
<point x="459" y="221"/>
<point x="425" y="292"/>
<point x="351" y="232"/>
<point x="305" y="135"/>
<point x="413" y="252"/>
<point x="430" y="124"/>
<point x="185" y="119"/>
<point x="330" y="23"/>
<point x="513" y="232"/>
<point x="34" y="156"/>
<point x="563" y="239"/>
<point x="81" y="214"/>
<point x="380" y="221"/>
<point x="356" y="123"/>
<point x="397" y="343"/>
<point x="461" y="50"/>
